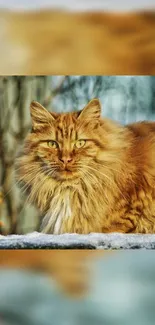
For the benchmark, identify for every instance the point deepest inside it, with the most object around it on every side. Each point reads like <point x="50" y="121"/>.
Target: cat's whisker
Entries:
<point x="27" y="201"/>
<point x="51" y="172"/>
<point x="36" y="186"/>
<point x="111" y="168"/>
<point x="101" y="173"/>
<point x="101" y="166"/>
<point x="99" y="185"/>
<point x="28" y="184"/>
<point x="12" y="187"/>
<point x="31" y="175"/>
<point x="88" y="174"/>
<point x="121" y="172"/>
<point x="90" y="179"/>
<point x="110" y="179"/>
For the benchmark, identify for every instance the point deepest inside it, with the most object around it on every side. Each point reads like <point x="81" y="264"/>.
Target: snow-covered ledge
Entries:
<point x="74" y="241"/>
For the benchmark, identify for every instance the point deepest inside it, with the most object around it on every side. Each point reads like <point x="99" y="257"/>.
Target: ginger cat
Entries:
<point x="69" y="268"/>
<point x="89" y="174"/>
<point x="61" y="42"/>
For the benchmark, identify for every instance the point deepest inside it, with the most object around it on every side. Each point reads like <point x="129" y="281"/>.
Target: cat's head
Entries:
<point x="64" y="144"/>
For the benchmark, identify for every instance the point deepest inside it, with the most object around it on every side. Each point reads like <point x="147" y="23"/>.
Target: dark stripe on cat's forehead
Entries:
<point x="65" y="126"/>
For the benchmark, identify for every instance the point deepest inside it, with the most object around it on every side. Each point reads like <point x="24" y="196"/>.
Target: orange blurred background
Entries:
<point x="78" y="39"/>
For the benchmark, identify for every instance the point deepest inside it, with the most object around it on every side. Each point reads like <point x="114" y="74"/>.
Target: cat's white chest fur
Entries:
<point x="59" y="211"/>
<point x="65" y="212"/>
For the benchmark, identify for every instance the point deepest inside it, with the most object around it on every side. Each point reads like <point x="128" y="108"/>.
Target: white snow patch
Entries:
<point x="92" y="241"/>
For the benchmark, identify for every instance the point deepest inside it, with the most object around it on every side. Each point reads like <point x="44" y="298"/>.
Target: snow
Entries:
<point x="76" y="241"/>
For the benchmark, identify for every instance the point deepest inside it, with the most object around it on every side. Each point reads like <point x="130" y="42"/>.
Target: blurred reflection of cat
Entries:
<point x="68" y="268"/>
<point x="47" y="42"/>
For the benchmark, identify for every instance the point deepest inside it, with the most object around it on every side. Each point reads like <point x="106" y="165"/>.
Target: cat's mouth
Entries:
<point x="62" y="172"/>
<point x="66" y="173"/>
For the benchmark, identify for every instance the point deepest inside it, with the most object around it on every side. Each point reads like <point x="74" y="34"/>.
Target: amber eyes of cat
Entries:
<point x="54" y="144"/>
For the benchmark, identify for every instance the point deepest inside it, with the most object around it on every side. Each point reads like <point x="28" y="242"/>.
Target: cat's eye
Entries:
<point x="80" y="143"/>
<point x="53" y="144"/>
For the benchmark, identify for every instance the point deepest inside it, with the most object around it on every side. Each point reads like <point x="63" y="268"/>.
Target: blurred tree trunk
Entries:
<point x="16" y="93"/>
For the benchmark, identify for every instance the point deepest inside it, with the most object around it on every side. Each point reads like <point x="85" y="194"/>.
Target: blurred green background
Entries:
<point x="124" y="98"/>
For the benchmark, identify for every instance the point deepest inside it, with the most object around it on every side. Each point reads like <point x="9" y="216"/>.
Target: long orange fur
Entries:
<point x="108" y="185"/>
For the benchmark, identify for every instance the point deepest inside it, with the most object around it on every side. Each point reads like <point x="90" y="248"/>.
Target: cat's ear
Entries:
<point x="40" y="116"/>
<point x="91" y="111"/>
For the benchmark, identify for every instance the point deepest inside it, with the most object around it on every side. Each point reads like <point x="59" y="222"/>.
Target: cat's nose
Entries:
<point x="65" y="160"/>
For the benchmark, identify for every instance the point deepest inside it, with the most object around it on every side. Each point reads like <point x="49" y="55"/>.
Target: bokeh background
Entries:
<point x="77" y="37"/>
<point x="124" y="98"/>
<point x="121" y="292"/>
